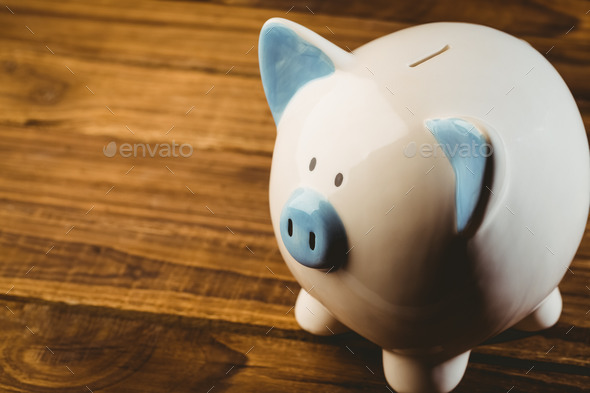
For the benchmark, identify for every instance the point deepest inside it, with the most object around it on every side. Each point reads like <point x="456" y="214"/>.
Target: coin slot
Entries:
<point x="425" y="59"/>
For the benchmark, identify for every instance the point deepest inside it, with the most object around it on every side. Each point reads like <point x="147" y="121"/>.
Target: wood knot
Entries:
<point x="9" y="66"/>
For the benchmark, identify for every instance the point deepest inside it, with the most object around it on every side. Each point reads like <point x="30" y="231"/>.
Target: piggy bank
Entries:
<point x="428" y="190"/>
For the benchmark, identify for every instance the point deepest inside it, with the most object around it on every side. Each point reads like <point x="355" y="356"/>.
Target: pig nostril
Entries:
<point x="290" y="228"/>
<point x="312" y="240"/>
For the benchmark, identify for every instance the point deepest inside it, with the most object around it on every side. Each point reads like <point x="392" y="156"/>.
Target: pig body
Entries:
<point x="428" y="190"/>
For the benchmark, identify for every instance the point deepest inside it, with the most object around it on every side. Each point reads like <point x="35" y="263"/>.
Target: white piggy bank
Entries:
<point x="428" y="190"/>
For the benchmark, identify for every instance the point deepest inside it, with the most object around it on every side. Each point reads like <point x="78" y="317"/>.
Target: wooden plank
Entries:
<point x="113" y="351"/>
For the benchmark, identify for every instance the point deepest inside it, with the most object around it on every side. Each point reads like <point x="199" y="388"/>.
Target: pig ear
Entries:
<point x="290" y="56"/>
<point x="468" y="151"/>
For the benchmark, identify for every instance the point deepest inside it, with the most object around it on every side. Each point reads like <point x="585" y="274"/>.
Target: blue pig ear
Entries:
<point x="290" y="56"/>
<point x="469" y="151"/>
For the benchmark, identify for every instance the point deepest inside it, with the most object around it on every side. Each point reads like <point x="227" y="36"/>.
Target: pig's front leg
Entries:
<point x="313" y="317"/>
<point x="544" y="316"/>
<point x="423" y="374"/>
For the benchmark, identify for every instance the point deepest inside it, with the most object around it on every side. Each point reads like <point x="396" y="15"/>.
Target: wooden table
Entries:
<point x="162" y="274"/>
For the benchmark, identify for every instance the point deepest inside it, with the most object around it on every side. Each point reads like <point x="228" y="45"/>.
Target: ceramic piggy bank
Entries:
<point x="428" y="190"/>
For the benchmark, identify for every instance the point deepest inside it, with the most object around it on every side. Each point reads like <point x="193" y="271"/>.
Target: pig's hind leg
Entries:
<point x="544" y="316"/>
<point x="313" y="317"/>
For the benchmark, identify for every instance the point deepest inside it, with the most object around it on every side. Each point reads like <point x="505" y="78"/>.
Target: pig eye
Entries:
<point x="338" y="179"/>
<point x="312" y="164"/>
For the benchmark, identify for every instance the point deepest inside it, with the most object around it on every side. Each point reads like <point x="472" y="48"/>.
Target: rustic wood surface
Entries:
<point x="163" y="274"/>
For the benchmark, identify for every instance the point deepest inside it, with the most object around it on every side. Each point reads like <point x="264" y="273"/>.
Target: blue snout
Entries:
<point x="312" y="230"/>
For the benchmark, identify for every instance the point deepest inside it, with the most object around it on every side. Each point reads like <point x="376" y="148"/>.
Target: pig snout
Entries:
<point x="312" y="230"/>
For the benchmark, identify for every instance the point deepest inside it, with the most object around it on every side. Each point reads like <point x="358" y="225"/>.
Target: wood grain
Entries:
<point x="162" y="274"/>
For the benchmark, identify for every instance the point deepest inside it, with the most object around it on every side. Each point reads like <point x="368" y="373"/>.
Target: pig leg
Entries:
<point x="410" y="374"/>
<point x="312" y="316"/>
<point x="544" y="316"/>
